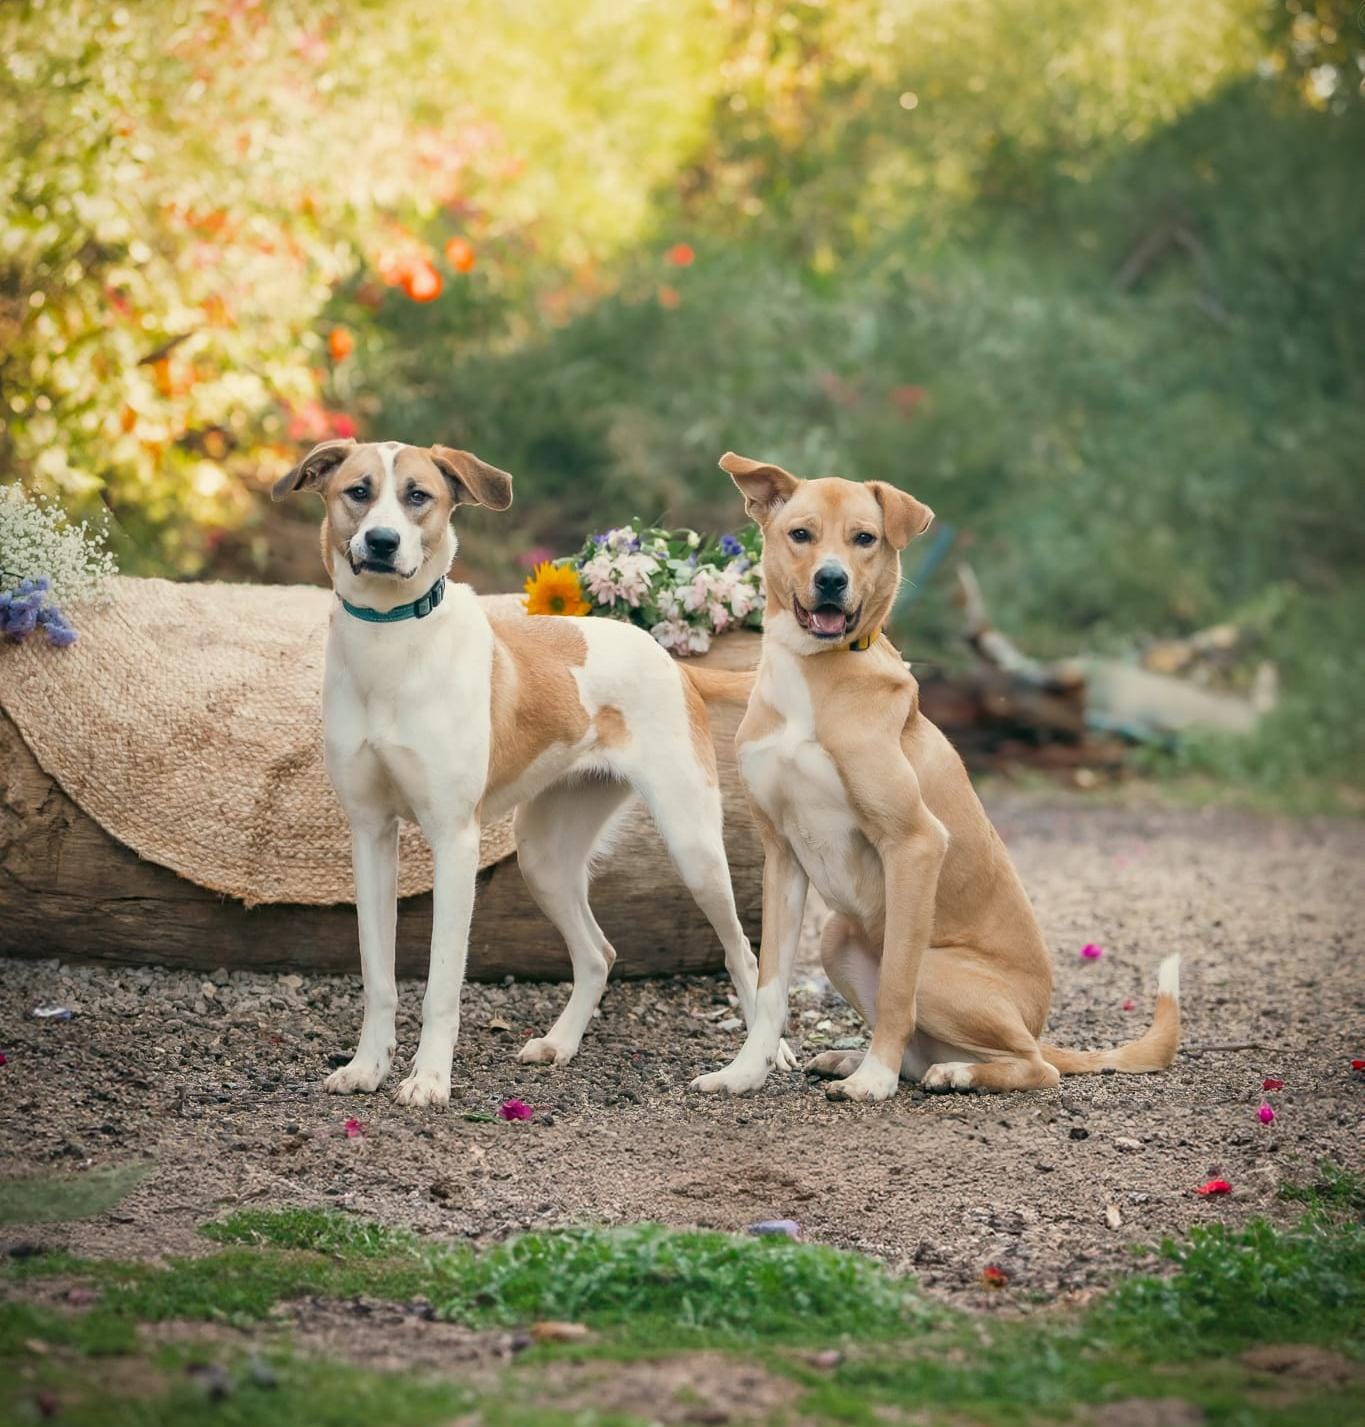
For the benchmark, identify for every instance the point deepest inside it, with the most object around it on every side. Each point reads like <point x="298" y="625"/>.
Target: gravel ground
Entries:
<point x="218" y="1083"/>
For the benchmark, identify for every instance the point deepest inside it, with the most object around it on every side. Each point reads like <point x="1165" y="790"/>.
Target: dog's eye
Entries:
<point x="418" y="497"/>
<point x="864" y="537"/>
<point x="800" y="535"/>
<point x="359" y="492"/>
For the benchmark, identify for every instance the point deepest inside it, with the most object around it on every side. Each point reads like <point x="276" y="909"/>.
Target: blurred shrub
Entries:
<point x="183" y="186"/>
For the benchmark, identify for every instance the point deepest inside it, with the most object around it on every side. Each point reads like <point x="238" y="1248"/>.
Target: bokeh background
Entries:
<point x="1086" y="276"/>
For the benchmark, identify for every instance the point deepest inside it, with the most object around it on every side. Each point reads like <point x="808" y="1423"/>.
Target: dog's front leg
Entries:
<point x="374" y="853"/>
<point x="784" y="903"/>
<point x="911" y="865"/>
<point x="456" y="854"/>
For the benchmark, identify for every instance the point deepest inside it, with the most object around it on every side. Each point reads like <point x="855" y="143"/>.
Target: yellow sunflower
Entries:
<point x="554" y="589"/>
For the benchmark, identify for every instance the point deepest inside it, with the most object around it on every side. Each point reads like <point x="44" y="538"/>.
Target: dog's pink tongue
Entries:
<point x="828" y="621"/>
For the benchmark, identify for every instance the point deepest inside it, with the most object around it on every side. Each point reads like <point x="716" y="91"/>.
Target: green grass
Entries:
<point x="650" y="1291"/>
<point x="48" y="1198"/>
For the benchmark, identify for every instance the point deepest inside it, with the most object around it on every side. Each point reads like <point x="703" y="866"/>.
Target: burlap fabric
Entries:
<point x="187" y="722"/>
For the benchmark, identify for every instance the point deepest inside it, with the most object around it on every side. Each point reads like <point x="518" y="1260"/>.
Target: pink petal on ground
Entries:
<point x="4" y="1059"/>
<point x="354" y="1129"/>
<point x="1091" y="952"/>
<point x="1130" y="1004"/>
<point x="1214" y="1186"/>
<point x="1271" y="1083"/>
<point x="515" y="1110"/>
<point x="1266" y="1114"/>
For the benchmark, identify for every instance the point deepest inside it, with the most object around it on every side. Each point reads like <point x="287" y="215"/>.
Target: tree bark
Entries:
<point x="70" y="890"/>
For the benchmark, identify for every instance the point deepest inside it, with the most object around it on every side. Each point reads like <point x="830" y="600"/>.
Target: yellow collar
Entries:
<point x="866" y="642"/>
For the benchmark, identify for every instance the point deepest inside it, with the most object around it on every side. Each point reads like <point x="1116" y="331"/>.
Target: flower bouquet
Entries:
<point x="46" y="563"/>
<point x="682" y="587"/>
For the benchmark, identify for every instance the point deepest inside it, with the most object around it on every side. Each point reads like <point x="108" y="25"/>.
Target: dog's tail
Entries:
<point x="1153" y="1051"/>
<point x="720" y="686"/>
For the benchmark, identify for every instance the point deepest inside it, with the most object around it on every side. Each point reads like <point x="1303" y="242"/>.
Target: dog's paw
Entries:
<point x="948" y="1075"/>
<point x="544" y="1051"/>
<point x="735" y="1079"/>
<point x="424" y="1087"/>
<point x="871" y="1081"/>
<point x="786" y="1057"/>
<point x="360" y="1077"/>
<point x="835" y="1064"/>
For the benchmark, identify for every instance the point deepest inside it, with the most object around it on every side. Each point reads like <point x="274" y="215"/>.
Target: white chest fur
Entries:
<point x="797" y="784"/>
<point x="406" y="713"/>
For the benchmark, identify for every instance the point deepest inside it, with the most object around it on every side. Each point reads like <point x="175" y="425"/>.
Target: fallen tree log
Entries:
<point x="69" y="889"/>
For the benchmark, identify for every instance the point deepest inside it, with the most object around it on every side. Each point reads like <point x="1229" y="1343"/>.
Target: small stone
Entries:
<point x="208" y="991"/>
<point x="827" y="1359"/>
<point x="261" y="1374"/>
<point x="1112" y="1217"/>
<point x="1123" y="1142"/>
<point x="1079" y="1132"/>
<point x="292" y="981"/>
<point x="220" y="977"/>
<point x="730" y="1023"/>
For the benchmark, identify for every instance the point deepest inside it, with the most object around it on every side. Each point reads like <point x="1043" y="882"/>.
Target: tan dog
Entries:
<point x="436" y="713"/>
<point x="932" y="938"/>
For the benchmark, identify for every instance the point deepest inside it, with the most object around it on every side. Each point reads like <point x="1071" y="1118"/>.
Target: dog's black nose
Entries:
<point x="381" y="542"/>
<point x="831" y="583"/>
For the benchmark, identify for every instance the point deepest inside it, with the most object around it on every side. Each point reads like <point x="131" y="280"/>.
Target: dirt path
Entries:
<point x="226" y="1098"/>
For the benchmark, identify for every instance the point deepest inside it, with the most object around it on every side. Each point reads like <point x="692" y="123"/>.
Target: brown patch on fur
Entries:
<point x="702" y="743"/>
<point x="610" y="726"/>
<point x="535" y="702"/>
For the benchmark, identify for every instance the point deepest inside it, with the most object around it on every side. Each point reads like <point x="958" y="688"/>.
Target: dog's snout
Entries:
<point x="382" y="542"/>
<point x="831" y="583"/>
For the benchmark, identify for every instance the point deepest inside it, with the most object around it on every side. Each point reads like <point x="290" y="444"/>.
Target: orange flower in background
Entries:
<point x="670" y="297"/>
<point x="423" y="283"/>
<point x="681" y="255"/>
<point x="460" y="255"/>
<point x="555" y="589"/>
<point x="340" y="343"/>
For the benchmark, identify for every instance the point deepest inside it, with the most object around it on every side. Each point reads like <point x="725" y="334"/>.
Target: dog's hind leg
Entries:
<point x="374" y="849"/>
<point x="557" y="832"/>
<point x="684" y="801"/>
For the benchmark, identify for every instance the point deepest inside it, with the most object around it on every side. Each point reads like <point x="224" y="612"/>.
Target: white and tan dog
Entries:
<point x="436" y="713"/>
<point x="932" y="938"/>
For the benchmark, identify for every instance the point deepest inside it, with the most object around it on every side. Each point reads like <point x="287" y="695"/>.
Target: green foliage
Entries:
<point x="654" y="1291"/>
<point x="184" y="186"/>
<point x="1245" y="1286"/>
<point x="1335" y="1191"/>
<point x="752" y="1288"/>
<point x="319" y="1231"/>
<point x="75" y="1196"/>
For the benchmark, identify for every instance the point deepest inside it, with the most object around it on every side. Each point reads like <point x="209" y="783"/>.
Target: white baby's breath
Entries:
<point x="37" y="538"/>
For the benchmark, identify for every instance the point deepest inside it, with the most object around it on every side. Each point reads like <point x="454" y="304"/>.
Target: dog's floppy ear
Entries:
<point x="905" y="517"/>
<point x="765" y="488"/>
<point x="315" y="467"/>
<point x="473" y="480"/>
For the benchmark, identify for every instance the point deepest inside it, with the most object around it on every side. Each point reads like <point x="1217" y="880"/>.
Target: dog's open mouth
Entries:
<point x="377" y="567"/>
<point x="826" y="621"/>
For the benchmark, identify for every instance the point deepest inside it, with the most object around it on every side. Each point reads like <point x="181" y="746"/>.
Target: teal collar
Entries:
<point x="415" y="609"/>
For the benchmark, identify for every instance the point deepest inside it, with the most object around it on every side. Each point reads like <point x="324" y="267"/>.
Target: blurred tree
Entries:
<point x="184" y="185"/>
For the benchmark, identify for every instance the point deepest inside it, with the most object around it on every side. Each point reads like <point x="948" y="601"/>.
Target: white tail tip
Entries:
<point x="1168" y="977"/>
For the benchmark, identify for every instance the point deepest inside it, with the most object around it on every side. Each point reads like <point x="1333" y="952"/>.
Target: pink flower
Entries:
<point x="1214" y="1186"/>
<point x="1130" y="1004"/>
<point x="1271" y="1083"/>
<point x="993" y="1276"/>
<point x="4" y="1060"/>
<point x="1266" y="1114"/>
<point x="515" y="1110"/>
<point x="354" y="1129"/>
<point x="1091" y="952"/>
<point x="1358" y="1065"/>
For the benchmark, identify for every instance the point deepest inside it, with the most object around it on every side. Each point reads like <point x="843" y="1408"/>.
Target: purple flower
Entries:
<point x="730" y="546"/>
